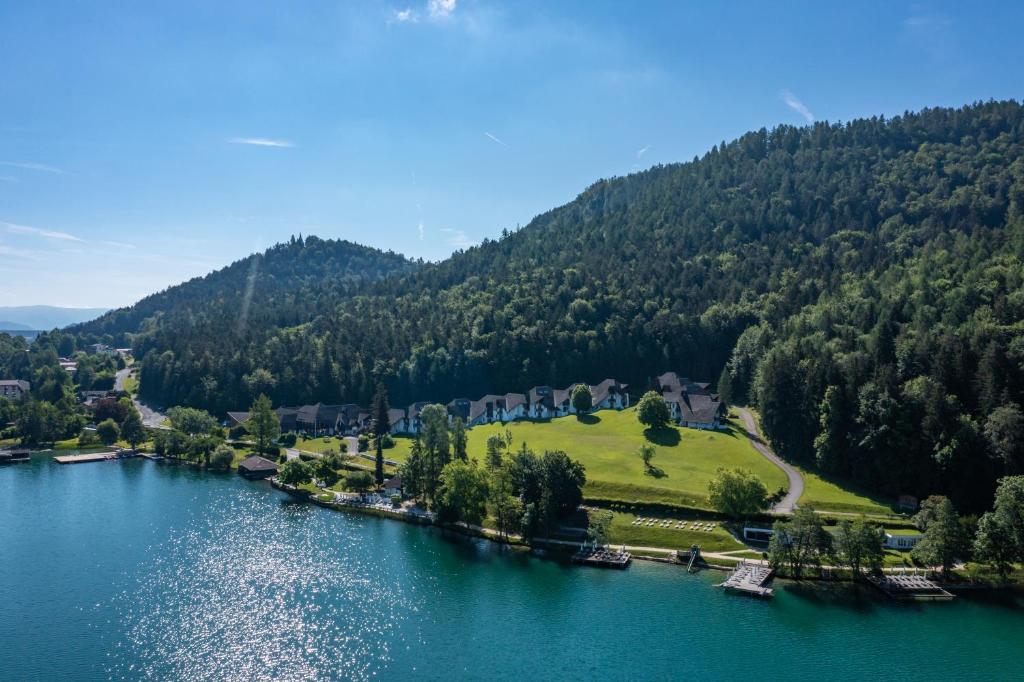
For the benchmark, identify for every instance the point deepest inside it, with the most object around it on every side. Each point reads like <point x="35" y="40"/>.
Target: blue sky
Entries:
<point x="142" y="144"/>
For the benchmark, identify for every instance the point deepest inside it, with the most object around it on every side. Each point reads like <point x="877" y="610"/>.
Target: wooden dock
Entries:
<point x="95" y="457"/>
<point x="910" y="587"/>
<point x="749" y="578"/>
<point x="601" y="557"/>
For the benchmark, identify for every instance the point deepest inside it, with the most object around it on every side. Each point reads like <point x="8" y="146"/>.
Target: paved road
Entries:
<point x="150" y="417"/>
<point x="796" y="481"/>
<point x="154" y="419"/>
<point x="121" y="377"/>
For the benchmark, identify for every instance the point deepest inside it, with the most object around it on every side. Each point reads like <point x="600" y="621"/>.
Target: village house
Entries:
<point x="396" y="420"/>
<point x="101" y="349"/>
<point x="14" y="389"/>
<point x="548" y="403"/>
<point x="411" y="423"/>
<point x="393" y="486"/>
<point x="609" y="395"/>
<point x="459" y="409"/>
<point x="691" y="403"/>
<point x="285" y="415"/>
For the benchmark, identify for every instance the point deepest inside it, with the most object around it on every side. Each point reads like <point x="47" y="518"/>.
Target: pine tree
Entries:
<point x="263" y="423"/>
<point x="381" y="428"/>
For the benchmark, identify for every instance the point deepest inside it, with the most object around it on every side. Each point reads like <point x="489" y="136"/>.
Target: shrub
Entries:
<point x="108" y="431"/>
<point x="359" y="481"/>
<point x="288" y="440"/>
<point x="306" y="457"/>
<point x="221" y="457"/>
<point x="386" y="441"/>
<point x="364" y="443"/>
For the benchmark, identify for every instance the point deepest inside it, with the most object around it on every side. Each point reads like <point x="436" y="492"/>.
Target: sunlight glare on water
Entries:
<point x="259" y="595"/>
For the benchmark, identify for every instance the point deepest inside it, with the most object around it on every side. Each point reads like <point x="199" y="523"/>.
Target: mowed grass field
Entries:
<point x="624" y="532"/>
<point x="607" y="441"/>
<point x="830" y="495"/>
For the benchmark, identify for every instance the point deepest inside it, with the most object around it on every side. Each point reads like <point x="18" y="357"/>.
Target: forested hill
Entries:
<point x="870" y="272"/>
<point x="287" y="285"/>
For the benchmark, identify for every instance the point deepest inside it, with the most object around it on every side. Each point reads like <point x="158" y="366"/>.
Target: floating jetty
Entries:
<point x="749" y="578"/>
<point x="95" y="457"/>
<point x="602" y="557"/>
<point x="910" y="587"/>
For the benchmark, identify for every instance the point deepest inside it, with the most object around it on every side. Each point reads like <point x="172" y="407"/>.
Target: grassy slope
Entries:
<point x="828" y="493"/>
<point x="623" y="532"/>
<point x="607" y="442"/>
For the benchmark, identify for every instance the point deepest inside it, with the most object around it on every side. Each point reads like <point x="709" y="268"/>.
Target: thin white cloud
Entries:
<point x="495" y="139"/>
<point x="796" y="105"/>
<point x="643" y="150"/>
<point x="419" y="227"/>
<point x="404" y="16"/>
<point x="31" y="165"/>
<point x="458" y="238"/>
<point x="14" y="228"/>
<point x="261" y="142"/>
<point x="8" y="178"/>
<point x="440" y="9"/>
<point x="120" y="245"/>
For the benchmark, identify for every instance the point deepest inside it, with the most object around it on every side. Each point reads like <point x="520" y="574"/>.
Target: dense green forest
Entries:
<point x="287" y="285"/>
<point x="860" y="282"/>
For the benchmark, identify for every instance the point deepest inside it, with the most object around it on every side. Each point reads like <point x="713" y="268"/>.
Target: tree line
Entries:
<point x="861" y="282"/>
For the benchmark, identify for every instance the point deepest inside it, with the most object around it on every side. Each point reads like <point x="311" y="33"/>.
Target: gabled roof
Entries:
<point x="701" y="408"/>
<point x="393" y="482"/>
<point x="395" y="415"/>
<point x="514" y="400"/>
<point x="460" y="407"/>
<point x="542" y="395"/>
<point x="239" y="417"/>
<point x="257" y="463"/>
<point x="670" y="382"/>
<point x="607" y="387"/>
<point x="416" y="408"/>
<point x="560" y="396"/>
<point x="487" y="405"/>
<point x="20" y="383"/>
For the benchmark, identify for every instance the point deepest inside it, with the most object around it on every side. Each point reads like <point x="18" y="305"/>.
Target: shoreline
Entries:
<point x="563" y="547"/>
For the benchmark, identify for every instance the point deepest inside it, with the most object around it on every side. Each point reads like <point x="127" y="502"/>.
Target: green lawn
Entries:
<point x="607" y="442"/>
<point x="829" y="495"/>
<point x="320" y="445"/>
<point x="624" y="533"/>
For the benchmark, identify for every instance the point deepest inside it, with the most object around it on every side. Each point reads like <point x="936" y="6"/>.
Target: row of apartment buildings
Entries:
<point x="691" y="404"/>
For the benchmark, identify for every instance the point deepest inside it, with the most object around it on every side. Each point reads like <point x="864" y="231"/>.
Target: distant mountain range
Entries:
<point x="44" y="317"/>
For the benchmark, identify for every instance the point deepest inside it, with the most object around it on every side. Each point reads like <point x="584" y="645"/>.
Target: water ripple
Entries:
<point x="258" y="590"/>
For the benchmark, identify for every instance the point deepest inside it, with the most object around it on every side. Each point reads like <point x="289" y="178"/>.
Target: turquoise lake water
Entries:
<point x="141" y="570"/>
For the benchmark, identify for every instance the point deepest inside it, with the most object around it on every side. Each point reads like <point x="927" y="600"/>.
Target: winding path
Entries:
<point x="796" y="482"/>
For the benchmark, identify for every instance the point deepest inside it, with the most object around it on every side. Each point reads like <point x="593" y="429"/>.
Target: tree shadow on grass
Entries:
<point x="655" y="472"/>
<point x="588" y="419"/>
<point x="666" y="436"/>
